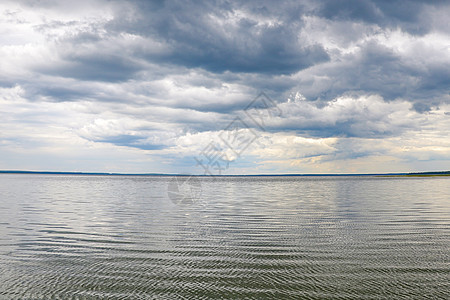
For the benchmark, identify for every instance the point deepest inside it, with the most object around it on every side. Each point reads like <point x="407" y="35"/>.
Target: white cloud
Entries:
<point x="146" y="89"/>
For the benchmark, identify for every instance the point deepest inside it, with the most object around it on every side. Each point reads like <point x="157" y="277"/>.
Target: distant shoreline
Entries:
<point x="418" y="174"/>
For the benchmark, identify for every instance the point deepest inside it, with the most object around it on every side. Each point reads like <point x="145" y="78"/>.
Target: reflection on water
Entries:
<point x="251" y="237"/>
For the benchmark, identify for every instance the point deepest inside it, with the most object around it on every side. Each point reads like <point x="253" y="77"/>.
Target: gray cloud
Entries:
<point x="142" y="74"/>
<point x="410" y="15"/>
<point x="219" y="37"/>
<point x="362" y="117"/>
<point x="423" y="79"/>
<point x="131" y="141"/>
<point x="95" y="67"/>
<point x="256" y="44"/>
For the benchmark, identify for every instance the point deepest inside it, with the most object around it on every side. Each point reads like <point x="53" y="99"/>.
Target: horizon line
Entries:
<point x="221" y="175"/>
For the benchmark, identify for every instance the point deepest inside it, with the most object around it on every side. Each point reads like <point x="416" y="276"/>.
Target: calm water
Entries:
<point x="244" y="238"/>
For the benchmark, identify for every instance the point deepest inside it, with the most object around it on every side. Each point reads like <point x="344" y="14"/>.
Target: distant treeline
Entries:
<point x="431" y="173"/>
<point x="79" y="173"/>
<point x="258" y="175"/>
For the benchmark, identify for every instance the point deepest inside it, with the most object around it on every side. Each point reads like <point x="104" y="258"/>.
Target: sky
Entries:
<point x="225" y="87"/>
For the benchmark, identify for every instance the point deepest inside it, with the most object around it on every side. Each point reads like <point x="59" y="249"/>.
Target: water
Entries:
<point x="245" y="238"/>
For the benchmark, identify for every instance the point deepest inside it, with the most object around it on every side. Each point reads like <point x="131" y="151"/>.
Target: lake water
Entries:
<point x="117" y="237"/>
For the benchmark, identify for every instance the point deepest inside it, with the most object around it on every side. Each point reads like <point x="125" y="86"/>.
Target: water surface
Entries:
<point x="117" y="237"/>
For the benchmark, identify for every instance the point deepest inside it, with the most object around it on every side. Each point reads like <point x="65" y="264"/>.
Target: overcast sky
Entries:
<point x="162" y="86"/>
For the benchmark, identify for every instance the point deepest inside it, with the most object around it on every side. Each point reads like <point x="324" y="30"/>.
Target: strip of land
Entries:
<point x="421" y="174"/>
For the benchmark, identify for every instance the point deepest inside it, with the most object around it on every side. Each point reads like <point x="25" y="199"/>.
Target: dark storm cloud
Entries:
<point x="147" y="49"/>
<point x="130" y="141"/>
<point x="378" y="69"/>
<point x="257" y="44"/>
<point x="60" y="94"/>
<point x="94" y="67"/>
<point x="406" y="14"/>
<point x="205" y="35"/>
<point x="215" y="36"/>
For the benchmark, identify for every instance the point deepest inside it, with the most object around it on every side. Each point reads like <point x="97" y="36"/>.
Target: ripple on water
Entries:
<point x="251" y="238"/>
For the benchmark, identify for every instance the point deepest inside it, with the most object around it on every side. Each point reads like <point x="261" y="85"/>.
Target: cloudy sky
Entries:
<point x="172" y="86"/>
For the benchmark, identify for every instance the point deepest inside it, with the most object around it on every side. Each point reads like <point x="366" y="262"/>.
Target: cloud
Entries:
<point x="152" y="83"/>
<point x="409" y="15"/>
<point x="367" y="116"/>
<point x="394" y="66"/>
<point x="95" y="67"/>
<point x="218" y="38"/>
